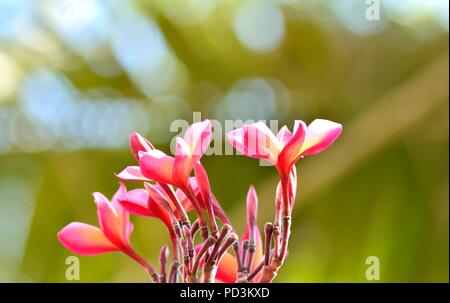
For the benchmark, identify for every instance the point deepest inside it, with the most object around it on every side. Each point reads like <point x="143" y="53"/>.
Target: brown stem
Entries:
<point x="207" y="244"/>
<point x="251" y="253"/>
<point x="237" y="255"/>
<point x="189" y="241"/>
<point x="231" y="240"/>
<point x="255" y="271"/>
<point x="244" y="256"/>
<point x="268" y="274"/>
<point x="209" y="273"/>
<point x="223" y="234"/>
<point x="268" y="229"/>
<point x="195" y="228"/>
<point x="186" y="259"/>
<point x="210" y="268"/>
<point x="173" y="274"/>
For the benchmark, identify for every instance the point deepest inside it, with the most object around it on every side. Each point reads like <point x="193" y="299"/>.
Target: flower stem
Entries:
<point x="182" y="213"/>
<point x="141" y="261"/>
<point x="206" y="245"/>
<point x="201" y="216"/>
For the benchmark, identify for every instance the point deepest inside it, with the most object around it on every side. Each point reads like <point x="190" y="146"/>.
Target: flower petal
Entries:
<point x="320" y="135"/>
<point x="136" y="202"/>
<point x="117" y="195"/>
<point x="122" y="214"/>
<point x="198" y="137"/>
<point x="84" y="239"/>
<point x="256" y="141"/>
<point x="156" y="195"/>
<point x="131" y="173"/>
<point x="156" y="165"/>
<point x="289" y="153"/>
<point x="283" y="136"/>
<point x="202" y="180"/>
<point x="139" y="143"/>
<point x="183" y="165"/>
<point x="227" y="269"/>
<point x="109" y="220"/>
<point x="190" y="149"/>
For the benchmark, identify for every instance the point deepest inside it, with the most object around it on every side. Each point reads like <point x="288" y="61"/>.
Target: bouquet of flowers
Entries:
<point x="208" y="248"/>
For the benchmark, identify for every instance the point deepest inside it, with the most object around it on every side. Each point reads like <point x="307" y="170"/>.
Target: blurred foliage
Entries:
<point x="76" y="77"/>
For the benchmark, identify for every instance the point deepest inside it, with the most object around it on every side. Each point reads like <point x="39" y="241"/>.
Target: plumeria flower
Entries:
<point x="113" y="234"/>
<point x="151" y="202"/>
<point x="156" y="165"/>
<point x="283" y="150"/>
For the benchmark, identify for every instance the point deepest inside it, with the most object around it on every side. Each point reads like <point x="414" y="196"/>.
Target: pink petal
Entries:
<point x="320" y="135"/>
<point x="227" y="269"/>
<point x="84" y="239"/>
<point x="117" y="195"/>
<point x="156" y="211"/>
<point x="190" y="149"/>
<point x="256" y="141"/>
<point x="139" y="143"/>
<point x="289" y="153"/>
<point x="202" y="180"/>
<point x="122" y="214"/>
<point x="109" y="220"/>
<point x="132" y="173"/>
<point x="283" y="136"/>
<point x="198" y="138"/>
<point x="183" y="164"/>
<point x="156" y="195"/>
<point x="185" y="202"/>
<point x="136" y="202"/>
<point x="156" y="165"/>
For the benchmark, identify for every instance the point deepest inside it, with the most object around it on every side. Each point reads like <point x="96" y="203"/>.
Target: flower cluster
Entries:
<point x="207" y="249"/>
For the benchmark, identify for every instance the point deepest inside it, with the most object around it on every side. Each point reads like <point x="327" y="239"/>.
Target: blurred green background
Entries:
<point x="77" y="76"/>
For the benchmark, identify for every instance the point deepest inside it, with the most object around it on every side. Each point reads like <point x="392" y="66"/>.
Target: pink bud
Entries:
<point x="139" y="143"/>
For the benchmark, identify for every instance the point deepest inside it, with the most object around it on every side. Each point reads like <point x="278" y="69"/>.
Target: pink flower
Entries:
<point x="257" y="141"/>
<point x="156" y="165"/>
<point x="151" y="202"/>
<point x="113" y="234"/>
<point x="139" y="143"/>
